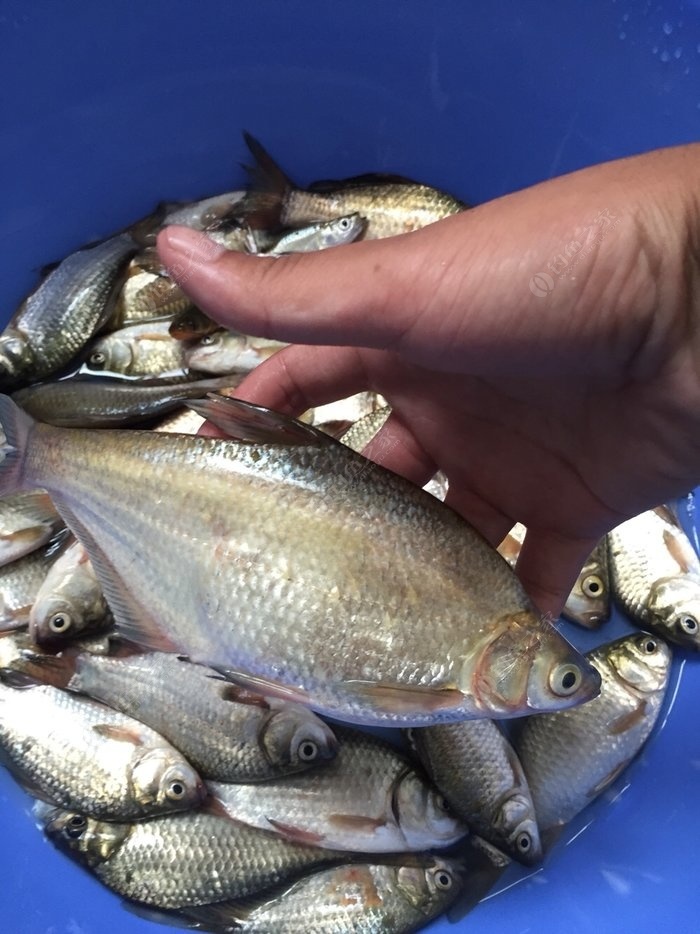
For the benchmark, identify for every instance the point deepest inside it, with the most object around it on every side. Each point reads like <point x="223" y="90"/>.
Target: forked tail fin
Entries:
<point x="15" y="426"/>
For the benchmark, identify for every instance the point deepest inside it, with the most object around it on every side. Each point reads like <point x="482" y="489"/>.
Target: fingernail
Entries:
<point x="194" y="247"/>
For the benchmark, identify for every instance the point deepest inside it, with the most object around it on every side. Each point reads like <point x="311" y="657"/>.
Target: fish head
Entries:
<point x="110" y="355"/>
<point x="516" y="823"/>
<point x="526" y="665"/>
<point x="425" y="887"/>
<point x="295" y="739"/>
<point x="163" y="781"/>
<point x="641" y="660"/>
<point x="423" y="815"/>
<point x="343" y="230"/>
<point x="54" y="619"/>
<point x="208" y="346"/>
<point x="16" y="356"/>
<point x="588" y="603"/>
<point x="91" y="841"/>
<point x="674" y="606"/>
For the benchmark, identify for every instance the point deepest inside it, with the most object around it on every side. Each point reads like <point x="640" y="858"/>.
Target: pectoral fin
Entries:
<point x="404" y="699"/>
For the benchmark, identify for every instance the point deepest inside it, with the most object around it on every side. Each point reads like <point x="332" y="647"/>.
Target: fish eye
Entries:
<point x="443" y="880"/>
<point x="524" y="842"/>
<point x="97" y="358"/>
<point x="176" y="790"/>
<point x="207" y="340"/>
<point x="592" y="586"/>
<point x="76" y="826"/>
<point x="649" y="645"/>
<point x="565" y="680"/>
<point x="60" y="622"/>
<point x="308" y="751"/>
<point x="441" y="803"/>
<point x="688" y="624"/>
<point x="344" y="223"/>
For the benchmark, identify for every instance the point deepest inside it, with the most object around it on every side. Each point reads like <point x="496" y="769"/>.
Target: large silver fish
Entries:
<point x="185" y="859"/>
<point x="80" y="754"/>
<point x="370" y="799"/>
<point x="360" y="898"/>
<point x="55" y="322"/>
<point x="656" y="575"/>
<point x="226" y="733"/>
<point x="336" y="565"/>
<point x="478" y="772"/>
<point x="572" y="756"/>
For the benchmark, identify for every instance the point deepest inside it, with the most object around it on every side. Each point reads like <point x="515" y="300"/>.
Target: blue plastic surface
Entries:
<point x="109" y="107"/>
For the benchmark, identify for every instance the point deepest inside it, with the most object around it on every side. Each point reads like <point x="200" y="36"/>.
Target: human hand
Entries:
<point x="541" y="349"/>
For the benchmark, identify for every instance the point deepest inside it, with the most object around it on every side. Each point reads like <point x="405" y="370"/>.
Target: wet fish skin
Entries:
<point x="79" y="754"/>
<point x="359" y="898"/>
<point x="572" y="756"/>
<point x="656" y="575"/>
<point x="27" y="521"/>
<point x="480" y="775"/>
<point x="182" y="421"/>
<point x="137" y="351"/>
<point x="221" y="352"/>
<point x="193" y="858"/>
<point x="53" y="324"/>
<point x="101" y="402"/>
<point x="192" y="324"/>
<point x="70" y="601"/>
<point x="389" y="207"/>
<point x="146" y="296"/>
<point x="21" y="581"/>
<point x="227" y="734"/>
<point x="205" y="213"/>
<point x="370" y="799"/>
<point x="313" y="624"/>
<point x="19" y="652"/>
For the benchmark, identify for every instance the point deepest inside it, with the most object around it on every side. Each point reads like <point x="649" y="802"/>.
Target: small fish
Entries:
<point x="656" y="575"/>
<point x="192" y="324"/>
<point x="335" y="568"/>
<point x="225" y="352"/>
<point x="27" y="521"/>
<point x="320" y="236"/>
<point x="70" y="600"/>
<point x="147" y="296"/>
<point x="183" y="422"/>
<point x="21" y="581"/>
<point x="140" y="350"/>
<point x="478" y="772"/>
<point x="368" y="800"/>
<point x="360" y="898"/>
<point x="351" y="409"/>
<point x="186" y="859"/>
<point x="54" y="323"/>
<point x="588" y="603"/>
<point x="226" y="733"/>
<point x="572" y="756"/>
<point x="390" y="205"/>
<point x="101" y="402"/>
<point x="79" y="754"/>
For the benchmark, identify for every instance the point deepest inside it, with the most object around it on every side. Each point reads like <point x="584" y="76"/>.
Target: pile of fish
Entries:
<point x="175" y="606"/>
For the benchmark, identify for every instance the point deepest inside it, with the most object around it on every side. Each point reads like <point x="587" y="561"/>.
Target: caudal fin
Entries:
<point x="15" y="426"/>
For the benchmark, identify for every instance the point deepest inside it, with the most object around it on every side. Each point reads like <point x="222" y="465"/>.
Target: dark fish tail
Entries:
<point x="263" y="205"/>
<point x="15" y="426"/>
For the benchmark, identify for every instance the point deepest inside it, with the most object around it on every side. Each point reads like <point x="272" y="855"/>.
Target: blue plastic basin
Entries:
<point x="109" y="107"/>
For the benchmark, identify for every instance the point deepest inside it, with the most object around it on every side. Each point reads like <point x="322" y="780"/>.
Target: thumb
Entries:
<point x="363" y="294"/>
